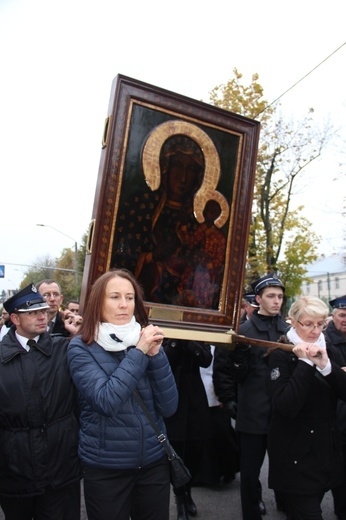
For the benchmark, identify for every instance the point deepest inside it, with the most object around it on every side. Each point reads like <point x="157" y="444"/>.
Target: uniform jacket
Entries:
<point x="335" y="338"/>
<point x="38" y="427"/>
<point x="252" y="376"/>
<point x="191" y="420"/>
<point x="304" y="445"/>
<point x="114" y="432"/>
<point x="337" y="343"/>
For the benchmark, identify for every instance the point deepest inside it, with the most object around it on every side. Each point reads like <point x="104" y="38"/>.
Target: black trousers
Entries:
<point x="53" y="504"/>
<point x="141" y="493"/>
<point x="339" y="493"/>
<point x="72" y="502"/>
<point x="303" y="507"/>
<point x="252" y="452"/>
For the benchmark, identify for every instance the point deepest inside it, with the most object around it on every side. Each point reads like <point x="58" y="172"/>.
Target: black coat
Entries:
<point x="38" y="426"/>
<point x="252" y="376"/>
<point x="335" y="338"/>
<point x="59" y="326"/>
<point x="304" y="445"/>
<point x="337" y="343"/>
<point x="191" y="420"/>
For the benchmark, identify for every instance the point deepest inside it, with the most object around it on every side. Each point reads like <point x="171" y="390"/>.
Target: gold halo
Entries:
<point x="151" y="165"/>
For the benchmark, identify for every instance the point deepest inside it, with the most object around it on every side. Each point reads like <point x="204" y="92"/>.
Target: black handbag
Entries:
<point x="180" y="475"/>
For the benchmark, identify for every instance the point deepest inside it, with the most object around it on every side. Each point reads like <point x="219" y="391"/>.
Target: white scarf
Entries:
<point x="294" y="338"/>
<point x="118" y="337"/>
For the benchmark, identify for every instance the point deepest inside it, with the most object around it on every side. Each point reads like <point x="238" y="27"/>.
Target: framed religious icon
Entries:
<point x="173" y="204"/>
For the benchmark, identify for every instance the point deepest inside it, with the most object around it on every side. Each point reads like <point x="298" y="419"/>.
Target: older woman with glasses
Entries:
<point x="304" y="446"/>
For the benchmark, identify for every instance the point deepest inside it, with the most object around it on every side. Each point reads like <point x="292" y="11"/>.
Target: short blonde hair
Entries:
<point x="310" y="305"/>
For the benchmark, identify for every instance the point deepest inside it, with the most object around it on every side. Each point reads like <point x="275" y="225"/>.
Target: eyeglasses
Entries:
<point x="49" y="295"/>
<point x="312" y="326"/>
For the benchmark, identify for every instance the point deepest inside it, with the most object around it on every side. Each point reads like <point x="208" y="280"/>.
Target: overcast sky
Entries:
<point x="58" y="60"/>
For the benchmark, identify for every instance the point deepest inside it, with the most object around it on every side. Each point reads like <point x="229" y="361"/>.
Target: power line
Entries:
<point x="40" y="267"/>
<point x="301" y="79"/>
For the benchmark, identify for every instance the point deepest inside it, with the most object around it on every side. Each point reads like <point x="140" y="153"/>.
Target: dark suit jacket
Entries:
<point x="59" y="327"/>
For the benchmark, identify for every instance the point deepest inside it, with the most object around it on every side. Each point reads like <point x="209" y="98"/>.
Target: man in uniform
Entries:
<point x="247" y="367"/>
<point x="39" y="468"/>
<point x="248" y="306"/>
<point x="335" y="334"/>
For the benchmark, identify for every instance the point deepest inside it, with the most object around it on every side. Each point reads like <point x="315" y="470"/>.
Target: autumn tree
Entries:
<point x="280" y="238"/>
<point x="66" y="275"/>
<point x="43" y="267"/>
<point x="61" y="269"/>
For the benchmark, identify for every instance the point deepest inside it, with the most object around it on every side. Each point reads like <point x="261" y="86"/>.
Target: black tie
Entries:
<point x="50" y="326"/>
<point x="31" y="343"/>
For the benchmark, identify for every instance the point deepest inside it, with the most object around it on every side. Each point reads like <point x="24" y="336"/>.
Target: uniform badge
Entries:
<point x="274" y="374"/>
<point x="33" y="288"/>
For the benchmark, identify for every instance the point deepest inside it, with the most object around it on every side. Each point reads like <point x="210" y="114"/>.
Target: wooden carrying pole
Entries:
<point x="226" y="340"/>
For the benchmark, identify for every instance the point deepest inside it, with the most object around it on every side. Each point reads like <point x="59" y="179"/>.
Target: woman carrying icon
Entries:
<point x="126" y="469"/>
<point x="304" y="444"/>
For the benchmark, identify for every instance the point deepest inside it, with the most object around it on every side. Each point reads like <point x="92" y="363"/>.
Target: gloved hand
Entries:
<point x="231" y="409"/>
<point x="240" y="353"/>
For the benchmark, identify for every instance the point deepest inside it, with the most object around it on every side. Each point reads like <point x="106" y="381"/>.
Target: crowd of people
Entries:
<point x="70" y="388"/>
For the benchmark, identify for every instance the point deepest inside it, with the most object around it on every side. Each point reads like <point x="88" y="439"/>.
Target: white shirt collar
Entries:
<point x="23" y="341"/>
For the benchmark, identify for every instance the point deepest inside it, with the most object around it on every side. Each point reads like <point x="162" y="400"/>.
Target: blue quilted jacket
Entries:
<point x="114" y="432"/>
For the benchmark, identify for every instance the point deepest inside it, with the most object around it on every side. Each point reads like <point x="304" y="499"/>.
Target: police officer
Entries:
<point x="39" y="468"/>
<point x="335" y="334"/>
<point x="248" y="368"/>
<point x="248" y="306"/>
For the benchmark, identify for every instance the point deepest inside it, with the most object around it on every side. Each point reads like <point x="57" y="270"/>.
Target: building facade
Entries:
<point x="327" y="277"/>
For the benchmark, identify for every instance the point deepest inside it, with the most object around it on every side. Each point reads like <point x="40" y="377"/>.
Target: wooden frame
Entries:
<point x="189" y="252"/>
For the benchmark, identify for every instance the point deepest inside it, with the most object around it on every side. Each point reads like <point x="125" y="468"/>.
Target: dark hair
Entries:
<point x="92" y="314"/>
<point x="72" y="301"/>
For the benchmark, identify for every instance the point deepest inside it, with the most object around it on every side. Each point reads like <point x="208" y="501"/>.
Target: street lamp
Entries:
<point x="75" y="249"/>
